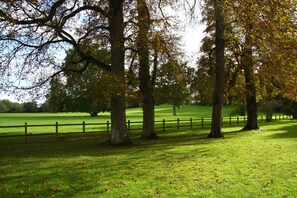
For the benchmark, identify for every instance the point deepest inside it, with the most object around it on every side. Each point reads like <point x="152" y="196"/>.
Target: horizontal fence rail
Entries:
<point x="160" y="125"/>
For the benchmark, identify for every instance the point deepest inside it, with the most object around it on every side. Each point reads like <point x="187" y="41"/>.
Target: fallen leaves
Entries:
<point x="53" y="189"/>
<point x="120" y="184"/>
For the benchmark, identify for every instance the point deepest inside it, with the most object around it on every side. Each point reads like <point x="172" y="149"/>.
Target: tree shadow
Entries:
<point x="286" y="131"/>
<point x="70" y="159"/>
<point x="47" y="146"/>
<point x="277" y="129"/>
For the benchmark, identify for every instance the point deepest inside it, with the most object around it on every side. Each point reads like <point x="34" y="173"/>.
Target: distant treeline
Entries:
<point x="6" y="106"/>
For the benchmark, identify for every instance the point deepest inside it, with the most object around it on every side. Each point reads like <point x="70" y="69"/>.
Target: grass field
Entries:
<point x="133" y="114"/>
<point x="259" y="163"/>
<point x="183" y="163"/>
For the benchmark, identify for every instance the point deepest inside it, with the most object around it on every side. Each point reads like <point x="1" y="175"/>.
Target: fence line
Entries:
<point x="161" y="125"/>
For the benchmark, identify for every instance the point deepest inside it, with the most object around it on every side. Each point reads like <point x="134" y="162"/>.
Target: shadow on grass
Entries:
<point x="74" y="159"/>
<point x="285" y="131"/>
<point x="75" y="163"/>
<point x="277" y="129"/>
<point x="91" y="144"/>
<point x="45" y="146"/>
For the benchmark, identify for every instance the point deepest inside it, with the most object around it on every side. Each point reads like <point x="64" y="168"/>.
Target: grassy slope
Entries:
<point x="178" y="164"/>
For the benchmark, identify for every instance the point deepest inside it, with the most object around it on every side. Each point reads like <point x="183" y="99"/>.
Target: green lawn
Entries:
<point x="133" y="114"/>
<point x="259" y="163"/>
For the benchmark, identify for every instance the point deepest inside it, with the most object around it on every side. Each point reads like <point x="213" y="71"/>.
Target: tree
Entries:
<point x="30" y="107"/>
<point x="89" y="90"/>
<point x="203" y="84"/>
<point x="57" y="95"/>
<point x="153" y="41"/>
<point x="37" y="33"/>
<point x="171" y="84"/>
<point x="259" y="38"/>
<point x="4" y="106"/>
<point x="277" y="44"/>
<point x="44" y="107"/>
<point x="145" y="81"/>
<point x="119" y="135"/>
<point x="262" y="25"/>
<point x="218" y="96"/>
<point x="250" y="86"/>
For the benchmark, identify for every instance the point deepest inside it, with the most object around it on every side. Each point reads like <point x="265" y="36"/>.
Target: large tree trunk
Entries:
<point x="146" y="88"/>
<point x="119" y="135"/>
<point x="216" y="131"/>
<point x="250" y="86"/>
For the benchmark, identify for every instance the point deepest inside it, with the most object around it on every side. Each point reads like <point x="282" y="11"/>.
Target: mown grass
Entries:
<point x="260" y="163"/>
<point x="133" y="114"/>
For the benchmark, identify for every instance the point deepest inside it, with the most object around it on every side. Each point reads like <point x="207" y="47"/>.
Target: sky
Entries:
<point x="192" y="42"/>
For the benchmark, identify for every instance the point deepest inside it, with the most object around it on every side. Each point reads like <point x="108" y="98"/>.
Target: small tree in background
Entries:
<point x="171" y="85"/>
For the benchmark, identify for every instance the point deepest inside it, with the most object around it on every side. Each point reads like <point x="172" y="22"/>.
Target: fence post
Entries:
<point x="275" y="117"/>
<point x="230" y="121"/>
<point x="222" y="121"/>
<point x="57" y="129"/>
<point x="163" y="125"/>
<point x="177" y="123"/>
<point x="202" y="123"/>
<point x="26" y="131"/>
<point x="237" y="121"/>
<point x="191" y="123"/>
<point x="244" y="120"/>
<point x="107" y="127"/>
<point x="261" y="118"/>
<point x="84" y="127"/>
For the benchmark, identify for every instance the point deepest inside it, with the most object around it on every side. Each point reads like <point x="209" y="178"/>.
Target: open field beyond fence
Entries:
<point x="189" y="117"/>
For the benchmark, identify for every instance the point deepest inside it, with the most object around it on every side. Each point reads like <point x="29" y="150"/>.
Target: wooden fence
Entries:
<point x="160" y="126"/>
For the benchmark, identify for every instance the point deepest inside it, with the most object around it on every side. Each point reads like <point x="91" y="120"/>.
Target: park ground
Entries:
<point x="261" y="163"/>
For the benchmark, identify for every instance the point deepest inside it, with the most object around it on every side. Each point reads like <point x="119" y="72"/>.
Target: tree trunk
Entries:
<point x="119" y="135"/>
<point x="94" y="114"/>
<point x="216" y="131"/>
<point x="250" y="86"/>
<point x="146" y="88"/>
<point x="269" y="117"/>
<point x="174" y="109"/>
